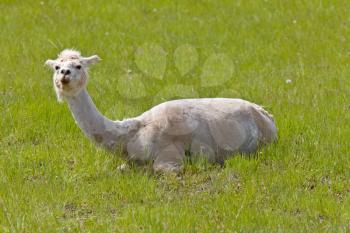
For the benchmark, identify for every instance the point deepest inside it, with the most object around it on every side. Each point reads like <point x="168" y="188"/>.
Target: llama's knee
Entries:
<point x="169" y="159"/>
<point x="166" y="167"/>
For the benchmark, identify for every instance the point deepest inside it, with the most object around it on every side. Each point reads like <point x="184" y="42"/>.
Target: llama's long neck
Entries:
<point x="97" y="127"/>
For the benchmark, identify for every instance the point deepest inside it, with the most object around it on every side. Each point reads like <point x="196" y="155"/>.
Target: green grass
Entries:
<point x="54" y="180"/>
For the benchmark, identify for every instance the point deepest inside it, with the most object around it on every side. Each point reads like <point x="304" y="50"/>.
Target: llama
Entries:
<point x="215" y="128"/>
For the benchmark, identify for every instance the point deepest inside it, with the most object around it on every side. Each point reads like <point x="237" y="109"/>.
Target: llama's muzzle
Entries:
<point x="65" y="71"/>
<point x="65" y="80"/>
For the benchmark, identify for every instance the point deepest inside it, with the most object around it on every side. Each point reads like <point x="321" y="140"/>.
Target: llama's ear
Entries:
<point x="90" y="60"/>
<point x="50" y="63"/>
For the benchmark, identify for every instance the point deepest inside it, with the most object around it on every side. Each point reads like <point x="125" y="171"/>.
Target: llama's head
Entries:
<point x="70" y="72"/>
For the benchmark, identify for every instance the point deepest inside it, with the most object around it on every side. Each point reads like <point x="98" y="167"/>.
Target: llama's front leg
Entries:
<point x="123" y="167"/>
<point x="169" y="159"/>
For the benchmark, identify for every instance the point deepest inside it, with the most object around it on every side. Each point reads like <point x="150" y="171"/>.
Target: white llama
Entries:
<point x="216" y="128"/>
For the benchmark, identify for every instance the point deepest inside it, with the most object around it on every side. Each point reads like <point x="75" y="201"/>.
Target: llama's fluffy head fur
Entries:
<point x="70" y="72"/>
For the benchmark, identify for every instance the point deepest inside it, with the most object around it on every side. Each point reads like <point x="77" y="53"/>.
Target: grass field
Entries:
<point x="290" y="56"/>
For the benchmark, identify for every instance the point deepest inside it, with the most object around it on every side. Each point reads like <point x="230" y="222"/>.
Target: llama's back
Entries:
<point x="229" y="122"/>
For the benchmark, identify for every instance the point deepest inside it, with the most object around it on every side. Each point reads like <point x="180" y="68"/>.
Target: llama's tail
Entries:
<point x="264" y="112"/>
<point x="265" y="123"/>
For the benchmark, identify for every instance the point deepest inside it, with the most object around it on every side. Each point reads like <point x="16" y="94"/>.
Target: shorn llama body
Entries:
<point x="215" y="128"/>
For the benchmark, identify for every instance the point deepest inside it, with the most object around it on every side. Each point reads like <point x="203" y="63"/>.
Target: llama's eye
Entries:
<point x="78" y="67"/>
<point x="57" y="67"/>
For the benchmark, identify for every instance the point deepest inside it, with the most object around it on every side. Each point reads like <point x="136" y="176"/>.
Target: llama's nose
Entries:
<point x="65" y="72"/>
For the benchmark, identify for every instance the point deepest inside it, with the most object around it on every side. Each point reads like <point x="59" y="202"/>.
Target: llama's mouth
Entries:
<point x="63" y="85"/>
<point x="65" y="80"/>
